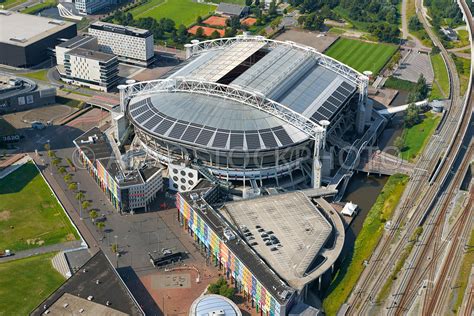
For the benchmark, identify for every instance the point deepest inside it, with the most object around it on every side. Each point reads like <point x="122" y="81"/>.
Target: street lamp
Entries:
<point x="116" y="251"/>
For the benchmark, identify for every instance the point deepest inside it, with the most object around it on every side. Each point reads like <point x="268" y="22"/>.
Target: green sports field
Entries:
<point x="30" y="216"/>
<point x="25" y="283"/>
<point x="180" y="11"/>
<point x="361" y="55"/>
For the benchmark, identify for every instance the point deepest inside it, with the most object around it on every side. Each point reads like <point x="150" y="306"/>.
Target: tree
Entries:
<point x="215" y="34"/>
<point x="114" y="246"/>
<point x="93" y="215"/>
<point x="72" y="186"/>
<point x="80" y="196"/>
<point x="199" y="20"/>
<point x="399" y="143"/>
<point x="47" y="147"/>
<point x="412" y="116"/>
<point x="56" y="161"/>
<point x="200" y="32"/>
<point x="100" y="226"/>
<point x="420" y="91"/>
<point x="272" y="10"/>
<point x="85" y="205"/>
<point x="414" y="24"/>
<point x="68" y="177"/>
<point x="62" y="170"/>
<point x="248" y="3"/>
<point x="51" y="154"/>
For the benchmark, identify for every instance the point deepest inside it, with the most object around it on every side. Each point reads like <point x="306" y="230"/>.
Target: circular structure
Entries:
<point x="243" y="108"/>
<point x="214" y="305"/>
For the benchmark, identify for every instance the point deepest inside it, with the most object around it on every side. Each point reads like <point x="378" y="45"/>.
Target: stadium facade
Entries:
<point x="250" y="109"/>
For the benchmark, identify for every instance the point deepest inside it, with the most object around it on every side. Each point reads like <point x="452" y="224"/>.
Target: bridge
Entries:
<point x="401" y="108"/>
<point x="383" y="163"/>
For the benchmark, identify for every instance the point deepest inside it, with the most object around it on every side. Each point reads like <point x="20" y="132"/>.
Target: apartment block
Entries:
<point x="131" y="45"/>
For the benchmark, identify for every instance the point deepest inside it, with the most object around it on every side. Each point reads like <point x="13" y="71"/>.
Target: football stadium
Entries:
<point x="250" y="111"/>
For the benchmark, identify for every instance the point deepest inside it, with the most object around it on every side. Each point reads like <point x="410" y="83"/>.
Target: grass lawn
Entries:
<point x="399" y="84"/>
<point x="181" y="11"/>
<point x="77" y="92"/>
<point x="440" y="90"/>
<point x="11" y="3"/>
<point x="38" y="75"/>
<point x="463" y="36"/>
<point x="416" y="137"/>
<point x="30" y="216"/>
<point x="365" y="243"/>
<point x="462" y="278"/>
<point x="40" y="6"/>
<point x="25" y="283"/>
<point x="362" y="55"/>
<point x="463" y="66"/>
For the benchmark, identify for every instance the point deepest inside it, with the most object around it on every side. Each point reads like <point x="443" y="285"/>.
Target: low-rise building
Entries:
<point x="132" y="45"/>
<point x="20" y="94"/>
<point x="90" y="68"/>
<point x="26" y="40"/>
<point x="270" y="259"/>
<point x="127" y="189"/>
<point x="95" y="289"/>
<point x="231" y="9"/>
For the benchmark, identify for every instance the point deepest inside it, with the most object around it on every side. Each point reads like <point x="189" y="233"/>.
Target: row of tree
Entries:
<point x="379" y="17"/>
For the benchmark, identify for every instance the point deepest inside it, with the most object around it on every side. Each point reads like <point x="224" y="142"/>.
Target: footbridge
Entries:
<point x="383" y="163"/>
<point x="401" y="108"/>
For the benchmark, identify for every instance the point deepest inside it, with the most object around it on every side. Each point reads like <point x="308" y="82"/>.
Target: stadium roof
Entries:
<point x="24" y="29"/>
<point x="209" y="121"/>
<point x="301" y="238"/>
<point x="286" y="73"/>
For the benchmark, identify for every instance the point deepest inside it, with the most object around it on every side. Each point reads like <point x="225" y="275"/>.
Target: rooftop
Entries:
<point x="91" y="54"/>
<point x="115" y="28"/>
<point x="259" y="268"/>
<point x="24" y="29"/>
<point x="95" y="146"/>
<point x="70" y="304"/>
<point x="76" y="41"/>
<point x="230" y="8"/>
<point x="298" y="241"/>
<point x="206" y="304"/>
<point x="83" y="284"/>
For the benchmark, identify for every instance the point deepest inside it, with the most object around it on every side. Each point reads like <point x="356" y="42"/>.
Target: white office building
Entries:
<point x="80" y="41"/>
<point x="91" y="6"/>
<point x="89" y="68"/>
<point x="132" y="45"/>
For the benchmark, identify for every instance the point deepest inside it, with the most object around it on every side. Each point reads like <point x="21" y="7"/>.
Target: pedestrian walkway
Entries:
<point x="68" y="245"/>
<point x="12" y="164"/>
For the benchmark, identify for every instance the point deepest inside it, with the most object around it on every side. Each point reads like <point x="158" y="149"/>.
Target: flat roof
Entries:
<point x="76" y="41"/>
<point x="91" y="54"/>
<point x="122" y="29"/>
<point x="24" y="29"/>
<point x="259" y="268"/>
<point x="293" y="220"/>
<point x="83" y="284"/>
<point x="74" y="305"/>
<point x="95" y="146"/>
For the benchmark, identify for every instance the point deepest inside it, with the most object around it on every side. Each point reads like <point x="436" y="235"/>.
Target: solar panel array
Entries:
<point x="332" y="104"/>
<point x="148" y="117"/>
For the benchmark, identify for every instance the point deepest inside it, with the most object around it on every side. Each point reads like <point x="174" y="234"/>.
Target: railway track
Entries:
<point x="427" y="181"/>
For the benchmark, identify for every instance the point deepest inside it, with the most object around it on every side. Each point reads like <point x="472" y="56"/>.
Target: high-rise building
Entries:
<point x="90" y="68"/>
<point x="132" y="45"/>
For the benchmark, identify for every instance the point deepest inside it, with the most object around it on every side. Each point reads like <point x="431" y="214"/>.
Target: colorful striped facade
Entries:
<point x="223" y="257"/>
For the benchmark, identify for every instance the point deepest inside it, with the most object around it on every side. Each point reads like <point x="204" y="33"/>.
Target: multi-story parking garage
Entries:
<point x="250" y="109"/>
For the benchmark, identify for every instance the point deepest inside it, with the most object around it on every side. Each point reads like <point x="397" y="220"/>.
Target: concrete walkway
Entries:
<point x="69" y="245"/>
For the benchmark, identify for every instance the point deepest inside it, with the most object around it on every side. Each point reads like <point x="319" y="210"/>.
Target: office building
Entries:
<point x="91" y="6"/>
<point x="89" y="68"/>
<point x="132" y="45"/>
<point x="26" y="40"/>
